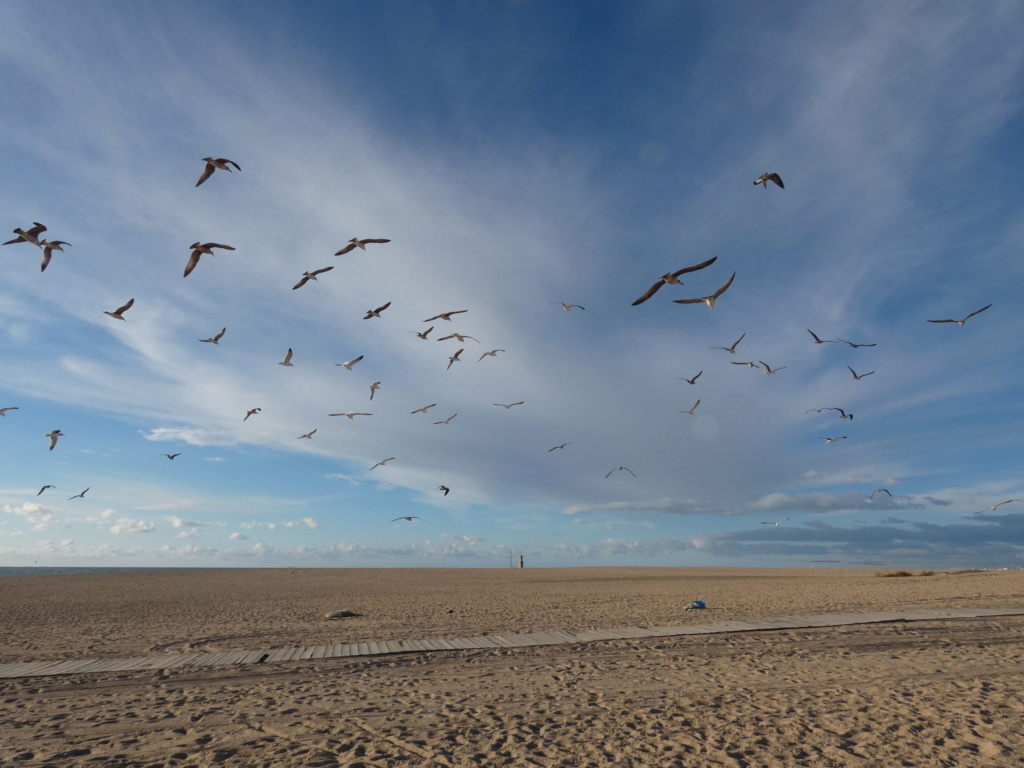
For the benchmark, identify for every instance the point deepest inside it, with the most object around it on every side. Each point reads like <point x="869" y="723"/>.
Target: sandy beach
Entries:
<point x="919" y="693"/>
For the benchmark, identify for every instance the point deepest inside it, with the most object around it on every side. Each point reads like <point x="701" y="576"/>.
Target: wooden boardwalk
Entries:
<point x="383" y="647"/>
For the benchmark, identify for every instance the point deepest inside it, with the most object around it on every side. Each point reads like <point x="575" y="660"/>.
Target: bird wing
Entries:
<point x="302" y="282"/>
<point x="218" y="245"/>
<point x="207" y="173"/>
<point x="650" y="292"/>
<point x="192" y="261"/>
<point x="346" y="249"/>
<point x="976" y="313"/>
<point x="725" y="287"/>
<point x="695" y="267"/>
<point x="125" y="308"/>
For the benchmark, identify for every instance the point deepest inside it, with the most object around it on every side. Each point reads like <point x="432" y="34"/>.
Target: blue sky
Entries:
<point x="517" y="155"/>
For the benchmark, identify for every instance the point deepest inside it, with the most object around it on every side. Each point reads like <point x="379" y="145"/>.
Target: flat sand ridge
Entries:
<point x="515" y="640"/>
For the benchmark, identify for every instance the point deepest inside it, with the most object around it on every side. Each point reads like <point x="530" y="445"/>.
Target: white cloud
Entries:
<point x="669" y="506"/>
<point x="192" y="436"/>
<point x="127" y="525"/>
<point x="178" y="522"/>
<point x="41" y="517"/>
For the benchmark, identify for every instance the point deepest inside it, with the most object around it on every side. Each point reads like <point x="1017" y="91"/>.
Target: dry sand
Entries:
<point x="947" y="693"/>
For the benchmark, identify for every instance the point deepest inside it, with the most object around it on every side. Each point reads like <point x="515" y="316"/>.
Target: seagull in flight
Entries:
<point x="198" y="249"/>
<point x="382" y="463"/>
<point x="444" y="488"/>
<point x="618" y="469"/>
<point x="779" y="522"/>
<point x="376" y="312"/>
<point x="691" y="381"/>
<point x="568" y="307"/>
<point x="879" y="490"/>
<point x="424" y="334"/>
<point x="731" y="350"/>
<point x="424" y="409"/>
<point x="347" y="365"/>
<point x="709" y="300"/>
<point x="308" y="435"/>
<point x="53" y="437"/>
<point x="373" y="389"/>
<point x="251" y="412"/>
<point x="768" y="370"/>
<point x="832" y="439"/>
<point x="44" y="488"/>
<point x="351" y="414"/>
<point x="3" y="411"/>
<point x="287" y="359"/>
<point x="843" y="414"/>
<point x="455" y="359"/>
<point x="49" y="246"/>
<point x="690" y="412"/>
<point x="861" y="376"/>
<point x="171" y="456"/>
<point x="28" y="236"/>
<point x="997" y="506"/>
<point x="215" y="339"/>
<point x="764" y="178"/>
<point x="307" y="276"/>
<point x="510" y="405"/>
<point x="355" y="242"/>
<point x="492" y="353"/>
<point x="118" y="314"/>
<point x="855" y="346"/>
<point x="445" y="421"/>
<point x="446" y="315"/>
<point x="460" y="336"/>
<point x="77" y="495"/>
<point x="215" y="164"/>
<point x="410" y="518"/>
<point x="557" y="447"/>
<point x="822" y="341"/>
<point x="672" y="278"/>
<point x="817" y="410"/>
<point x="961" y="322"/>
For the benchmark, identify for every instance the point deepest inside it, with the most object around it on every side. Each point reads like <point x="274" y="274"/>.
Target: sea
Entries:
<point x="39" y="570"/>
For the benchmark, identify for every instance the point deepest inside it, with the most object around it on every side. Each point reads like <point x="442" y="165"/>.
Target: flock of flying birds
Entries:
<point x="34" y="236"/>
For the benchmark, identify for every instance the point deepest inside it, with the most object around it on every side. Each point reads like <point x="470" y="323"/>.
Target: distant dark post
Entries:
<point x="520" y="561"/>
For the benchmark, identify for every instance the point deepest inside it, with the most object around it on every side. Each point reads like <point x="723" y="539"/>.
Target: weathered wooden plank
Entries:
<point x="280" y="654"/>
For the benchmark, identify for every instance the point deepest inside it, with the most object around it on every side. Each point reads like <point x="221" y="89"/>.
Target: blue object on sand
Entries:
<point x="698" y="604"/>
